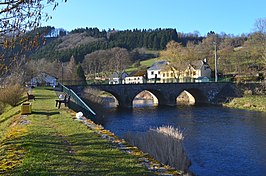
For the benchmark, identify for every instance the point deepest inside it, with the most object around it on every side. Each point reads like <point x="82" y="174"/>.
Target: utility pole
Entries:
<point x="62" y="72"/>
<point x="215" y="62"/>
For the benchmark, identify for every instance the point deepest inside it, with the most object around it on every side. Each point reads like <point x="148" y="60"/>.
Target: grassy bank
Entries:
<point x="143" y="65"/>
<point x="51" y="142"/>
<point x="249" y="102"/>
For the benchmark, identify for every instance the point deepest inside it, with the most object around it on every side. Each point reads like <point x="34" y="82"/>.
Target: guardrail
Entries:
<point x="76" y="98"/>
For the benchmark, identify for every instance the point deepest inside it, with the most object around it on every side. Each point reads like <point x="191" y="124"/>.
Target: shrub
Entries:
<point x="11" y="94"/>
<point x="165" y="144"/>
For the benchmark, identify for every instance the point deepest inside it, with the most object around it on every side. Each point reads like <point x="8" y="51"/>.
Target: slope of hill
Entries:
<point x="81" y="42"/>
<point x="75" y="40"/>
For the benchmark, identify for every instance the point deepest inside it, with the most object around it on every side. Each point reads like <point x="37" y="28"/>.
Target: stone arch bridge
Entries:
<point x="166" y="93"/>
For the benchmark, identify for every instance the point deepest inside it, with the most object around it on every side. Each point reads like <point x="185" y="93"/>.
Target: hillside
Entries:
<point x="103" y="52"/>
<point x="83" y="41"/>
<point x="72" y="41"/>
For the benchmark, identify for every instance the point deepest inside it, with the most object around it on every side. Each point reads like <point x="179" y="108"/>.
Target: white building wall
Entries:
<point x="114" y="81"/>
<point x="152" y="73"/>
<point x="134" y="80"/>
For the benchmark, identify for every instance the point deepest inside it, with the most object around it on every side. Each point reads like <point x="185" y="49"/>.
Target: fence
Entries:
<point x="76" y="98"/>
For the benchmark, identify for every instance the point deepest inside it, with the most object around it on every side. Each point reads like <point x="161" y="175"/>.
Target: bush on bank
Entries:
<point x="249" y="102"/>
<point x="11" y="94"/>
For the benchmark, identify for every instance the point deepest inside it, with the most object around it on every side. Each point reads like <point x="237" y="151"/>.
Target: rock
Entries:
<point x="247" y="105"/>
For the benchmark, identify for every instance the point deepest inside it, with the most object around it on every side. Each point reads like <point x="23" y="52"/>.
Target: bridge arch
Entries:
<point x="145" y="97"/>
<point x="159" y="95"/>
<point x="195" y="96"/>
<point x="185" y="98"/>
<point x="115" y="96"/>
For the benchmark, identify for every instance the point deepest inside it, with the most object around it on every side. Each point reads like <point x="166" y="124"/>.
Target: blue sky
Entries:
<point x="229" y="16"/>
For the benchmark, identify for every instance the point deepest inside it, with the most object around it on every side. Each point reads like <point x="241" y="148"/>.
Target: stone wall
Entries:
<point x="252" y="88"/>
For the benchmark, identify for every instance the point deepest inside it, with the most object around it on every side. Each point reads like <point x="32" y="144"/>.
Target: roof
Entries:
<point x="44" y="75"/>
<point x="114" y="75"/>
<point x="118" y="75"/>
<point x="138" y="73"/>
<point x="168" y="68"/>
<point x="198" y="64"/>
<point x="158" y="65"/>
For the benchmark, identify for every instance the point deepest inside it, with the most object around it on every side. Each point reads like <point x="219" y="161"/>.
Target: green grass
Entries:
<point x="249" y="102"/>
<point x="143" y="64"/>
<point x="53" y="143"/>
<point x="149" y="62"/>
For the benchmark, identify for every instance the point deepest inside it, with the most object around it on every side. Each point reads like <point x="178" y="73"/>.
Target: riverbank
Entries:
<point x="52" y="141"/>
<point x="249" y="102"/>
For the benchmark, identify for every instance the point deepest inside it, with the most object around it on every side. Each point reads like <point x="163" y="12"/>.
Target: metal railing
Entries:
<point x="76" y="98"/>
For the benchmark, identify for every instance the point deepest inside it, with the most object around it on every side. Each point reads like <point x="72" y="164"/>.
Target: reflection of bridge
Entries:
<point x="210" y="92"/>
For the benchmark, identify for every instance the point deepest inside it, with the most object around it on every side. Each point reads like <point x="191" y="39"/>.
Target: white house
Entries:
<point x="43" y="79"/>
<point x="117" y="78"/>
<point x="154" y="72"/>
<point x="136" y="77"/>
<point x="196" y="69"/>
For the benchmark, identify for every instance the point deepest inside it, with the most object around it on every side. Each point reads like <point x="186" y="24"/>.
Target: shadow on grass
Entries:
<point x="8" y="117"/>
<point x="45" y="97"/>
<point x="45" y="113"/>
<point x="79" y="154"/>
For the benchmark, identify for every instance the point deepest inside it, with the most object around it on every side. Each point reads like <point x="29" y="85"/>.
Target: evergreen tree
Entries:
<point x="81" y="74"/>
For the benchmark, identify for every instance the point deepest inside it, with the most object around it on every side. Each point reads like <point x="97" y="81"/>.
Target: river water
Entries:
<point x="219" y="141"/>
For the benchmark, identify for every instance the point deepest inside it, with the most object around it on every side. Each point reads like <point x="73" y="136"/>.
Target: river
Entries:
<point x="219" y="141"/>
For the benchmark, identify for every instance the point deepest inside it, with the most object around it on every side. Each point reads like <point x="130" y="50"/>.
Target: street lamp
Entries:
<point x="215" y="62"/>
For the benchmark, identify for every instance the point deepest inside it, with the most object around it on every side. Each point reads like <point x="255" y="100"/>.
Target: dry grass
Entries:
<point x="11" y="94"/>
<point x="171" y="132"/>
<point x="165" y="144"/>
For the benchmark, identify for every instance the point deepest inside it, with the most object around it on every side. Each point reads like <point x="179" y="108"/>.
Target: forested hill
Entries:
<point x="82" y="41"/>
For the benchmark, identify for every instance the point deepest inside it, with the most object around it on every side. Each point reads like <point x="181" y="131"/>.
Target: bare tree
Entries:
<point x="260" y="25"/>
<point x="106" y="61"/>
<point x="174" y="53"/>
<point x="17" y="17"/>
<point x="20" y="16"/>
<point x="257" y="41"/>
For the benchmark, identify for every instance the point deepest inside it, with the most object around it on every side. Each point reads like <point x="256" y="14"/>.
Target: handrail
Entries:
<point x="76" y="98"/>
